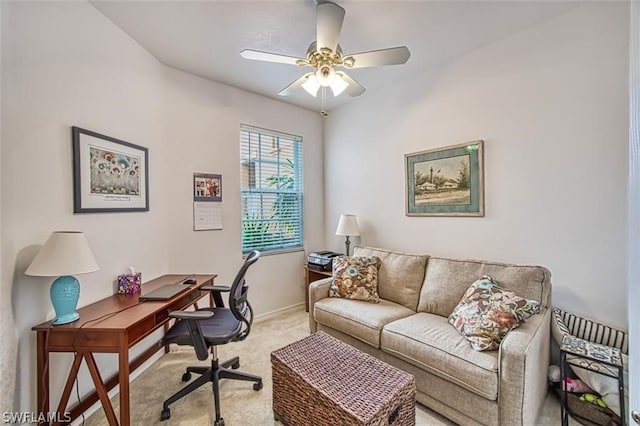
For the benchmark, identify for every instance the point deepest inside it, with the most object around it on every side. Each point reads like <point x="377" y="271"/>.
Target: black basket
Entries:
<point x="587" y="413"/>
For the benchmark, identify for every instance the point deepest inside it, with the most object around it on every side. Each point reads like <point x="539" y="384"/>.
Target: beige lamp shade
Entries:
<point x="348" y="225"/>
<point x="64" y="253"/>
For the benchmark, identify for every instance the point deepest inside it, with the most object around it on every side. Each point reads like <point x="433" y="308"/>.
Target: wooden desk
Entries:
<point x="111" y="325"/>
<point x="311" y="275"/>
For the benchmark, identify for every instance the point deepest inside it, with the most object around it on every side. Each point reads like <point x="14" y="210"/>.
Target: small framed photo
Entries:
<point x="446" y="181"/>
<point x="109" y="175"/>
<point x="207" y="187"/>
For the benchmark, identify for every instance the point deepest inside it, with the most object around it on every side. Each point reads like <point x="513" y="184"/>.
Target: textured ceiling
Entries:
<point x="205" y="38"/>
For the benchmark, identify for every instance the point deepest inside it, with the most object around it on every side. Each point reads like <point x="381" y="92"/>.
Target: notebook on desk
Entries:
<point x="165" y="292"/>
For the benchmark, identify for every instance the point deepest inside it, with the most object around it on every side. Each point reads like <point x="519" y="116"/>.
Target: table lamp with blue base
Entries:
<point x="66" y="253"/>
<point x="65" y="291"/>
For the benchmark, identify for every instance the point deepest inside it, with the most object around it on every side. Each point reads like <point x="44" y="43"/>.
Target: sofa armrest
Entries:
<point x="523" y="362"/>
<point x="318" y="290"/>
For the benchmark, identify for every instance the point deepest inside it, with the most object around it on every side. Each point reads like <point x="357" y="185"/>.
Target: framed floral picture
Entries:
<point x="446" y="181"/>
<point x="109" y="175"/>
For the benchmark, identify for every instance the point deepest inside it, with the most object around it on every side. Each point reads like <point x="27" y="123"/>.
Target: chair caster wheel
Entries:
<point x="219" y="422"/>
<point x="186" y="377"/>
<point x="166" y="413"/>
<point x="257" y="386"/>
<point x="235" y="365"/>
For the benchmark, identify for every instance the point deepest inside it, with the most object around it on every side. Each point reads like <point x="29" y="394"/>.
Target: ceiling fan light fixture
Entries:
<point x="311" y="85"/>
<point x="325" y="74"/>
<point x="338" y="85"/>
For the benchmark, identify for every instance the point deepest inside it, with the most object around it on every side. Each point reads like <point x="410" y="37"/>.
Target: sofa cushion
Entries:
<point x="486" y="313"/>
<point x="359" y="319"/>
<point x="430" y="343"/>
<point x="355" y="278"/>
<point x="400" y="276"/>
<point x="446" y="281"/>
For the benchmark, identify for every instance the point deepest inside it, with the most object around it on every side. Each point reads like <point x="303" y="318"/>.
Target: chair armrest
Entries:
<point x="191" y="315"/>
<point x="215" y="293"/>
<point x="318" y="290"/>
<point x="193" y="319"/>
<point x="522" y="367"/>
<point x="221" y="288"/>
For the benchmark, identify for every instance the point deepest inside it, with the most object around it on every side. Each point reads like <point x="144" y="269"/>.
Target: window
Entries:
<point x="271" y="190"/>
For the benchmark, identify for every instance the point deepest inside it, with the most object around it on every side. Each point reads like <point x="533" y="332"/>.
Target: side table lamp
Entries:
<point x="348" y="226"/>
<point x="66" y="253"/>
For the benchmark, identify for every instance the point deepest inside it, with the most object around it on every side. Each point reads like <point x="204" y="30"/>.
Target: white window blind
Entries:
<point x="271" y="190"/>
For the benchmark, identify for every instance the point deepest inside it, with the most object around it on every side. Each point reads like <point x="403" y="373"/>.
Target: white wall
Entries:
<point x="204" y="127"/>
<point x="8" y="335"/>
<point x="68" y="65"/>
<point x="551" y="105"/>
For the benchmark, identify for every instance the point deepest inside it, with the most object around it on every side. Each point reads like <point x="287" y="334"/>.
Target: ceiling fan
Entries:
<point x="325" y="55"/>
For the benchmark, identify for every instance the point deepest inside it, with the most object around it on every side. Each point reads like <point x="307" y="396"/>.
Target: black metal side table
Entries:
<point x="601" y="359"/>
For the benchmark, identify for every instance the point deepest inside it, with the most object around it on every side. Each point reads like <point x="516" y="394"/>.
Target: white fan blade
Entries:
<point x="376" y="58"/>
<point x="329" y="25"/>
<point x="295" y="85"/>
<point x="256" y="55"/>
<point x="354" y="88"/>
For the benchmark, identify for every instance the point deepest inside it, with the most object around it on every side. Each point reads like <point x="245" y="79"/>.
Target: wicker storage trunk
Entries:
<point x="321" y="381"/>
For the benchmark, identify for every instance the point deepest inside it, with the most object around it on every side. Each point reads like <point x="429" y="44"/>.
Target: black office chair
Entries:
<point x="207" y="328"/>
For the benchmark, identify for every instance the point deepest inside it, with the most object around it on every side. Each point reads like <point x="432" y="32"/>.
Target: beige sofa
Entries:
<point x="409" y="329"/>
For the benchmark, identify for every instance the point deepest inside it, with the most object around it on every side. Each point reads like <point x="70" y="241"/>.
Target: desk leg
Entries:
<point x="123" y="361"/>
<point x="43" y="372"/>
<point x="100" y="388"/>
<point x="68" y="387"/>
<point x="166" y="328"/>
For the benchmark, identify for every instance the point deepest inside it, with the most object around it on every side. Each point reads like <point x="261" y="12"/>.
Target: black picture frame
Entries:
<point x="109" y="174"/>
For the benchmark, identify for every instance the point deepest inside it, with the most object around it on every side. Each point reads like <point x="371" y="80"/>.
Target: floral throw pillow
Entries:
<point x="487" y="312"/>
<point x="355" y="278"/>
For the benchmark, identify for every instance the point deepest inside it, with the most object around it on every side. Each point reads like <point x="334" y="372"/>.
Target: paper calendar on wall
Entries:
<point x="207" y="216"/>
<point x="207" y="201"/>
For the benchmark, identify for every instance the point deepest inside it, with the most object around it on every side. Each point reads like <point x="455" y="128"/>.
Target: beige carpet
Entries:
<point x="240" y="404"/>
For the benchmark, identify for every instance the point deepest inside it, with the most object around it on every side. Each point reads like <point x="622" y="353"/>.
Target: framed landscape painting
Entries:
<point x="109" y="175"/>
<point x="446" y="181"/>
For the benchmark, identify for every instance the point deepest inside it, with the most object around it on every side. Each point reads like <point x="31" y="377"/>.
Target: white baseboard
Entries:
<point x="271" y="314"/>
